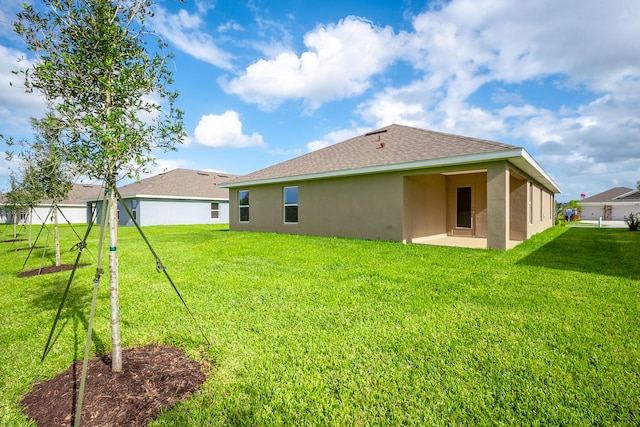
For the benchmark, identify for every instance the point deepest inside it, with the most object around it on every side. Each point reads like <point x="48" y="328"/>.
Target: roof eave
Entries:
<point x="526" y="163"/>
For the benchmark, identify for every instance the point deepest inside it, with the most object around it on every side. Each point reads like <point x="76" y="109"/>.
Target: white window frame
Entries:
<point x="247" y="206"/>
<point x="215" y="210"/>
<point x="287" y="205"/>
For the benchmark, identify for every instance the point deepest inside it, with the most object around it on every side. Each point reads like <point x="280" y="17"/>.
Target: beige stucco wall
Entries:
<point x="405" y="206"/>
<point x="424" y="199"/>
<point x="367" y="207"/>
<point x="478" y="184"/>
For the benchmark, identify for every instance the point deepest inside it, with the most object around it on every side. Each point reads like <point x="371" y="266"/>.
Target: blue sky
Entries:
<point x="265" y="81"/>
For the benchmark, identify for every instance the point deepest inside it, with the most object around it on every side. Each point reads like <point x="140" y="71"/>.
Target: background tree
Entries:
<point x="15" y="202"/>
<point x="110" y="96"/>
<point x="49" y="174"/>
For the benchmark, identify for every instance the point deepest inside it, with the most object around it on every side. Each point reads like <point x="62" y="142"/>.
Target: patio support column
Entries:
<point x="498" y="206"/>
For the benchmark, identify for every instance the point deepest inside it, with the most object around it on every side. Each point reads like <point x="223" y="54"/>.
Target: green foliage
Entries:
<point x="633" y="221"/>
<point x="104" y="89"/>
<point x="325" y="331"/>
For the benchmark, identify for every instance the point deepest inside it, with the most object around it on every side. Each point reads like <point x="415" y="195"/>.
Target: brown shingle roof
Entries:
<point x="180" y="183"/>
<point x="394" y="144"/>
<point x="609" y="195"/>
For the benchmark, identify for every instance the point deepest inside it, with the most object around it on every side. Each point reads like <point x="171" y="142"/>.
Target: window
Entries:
<point x="215" y="210"/>
<point x="134" y="209"/>
<point x="291" y="205"/>
<point x="243" y="203"/>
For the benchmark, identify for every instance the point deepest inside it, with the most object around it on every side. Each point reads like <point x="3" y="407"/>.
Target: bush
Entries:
<point x="633" y="221"/>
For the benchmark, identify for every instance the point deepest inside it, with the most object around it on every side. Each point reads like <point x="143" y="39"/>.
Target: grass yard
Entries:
<point x="325" y="331"/>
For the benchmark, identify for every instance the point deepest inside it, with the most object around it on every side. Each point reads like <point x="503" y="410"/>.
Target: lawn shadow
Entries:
<point x="76" y="308"/>
<point x="611" y="252"/>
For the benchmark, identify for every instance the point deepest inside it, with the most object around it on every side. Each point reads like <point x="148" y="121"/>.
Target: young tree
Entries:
<point x="48" y="171"/>
<point x="110" y="95"/>
<point x="15" y="201"/>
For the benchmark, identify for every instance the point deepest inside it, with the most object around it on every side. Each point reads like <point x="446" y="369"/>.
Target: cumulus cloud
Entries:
<point x="224" y="131"/>
<point x="184" y="31"/>
<point x="335" y="137"/>
<point x="339" y="63"/>
<point x="16" y="106"/>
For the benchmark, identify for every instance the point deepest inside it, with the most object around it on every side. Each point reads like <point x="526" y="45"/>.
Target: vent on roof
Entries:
<point x="203" y="174"/>
<point x="223" y="176"/>
<point x="376" y="132"/>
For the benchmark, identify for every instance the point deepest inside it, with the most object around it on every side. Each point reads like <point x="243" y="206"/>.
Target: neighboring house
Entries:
<point x="401" y="184"/>
<point x="73" y="208"/>
<point x="179" y="196"/>
<point x="611" y="205"/>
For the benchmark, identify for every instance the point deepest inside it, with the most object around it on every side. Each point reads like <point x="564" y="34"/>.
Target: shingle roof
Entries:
<point x="80" y="193"/>
<point x="180" y="183"/>
<point x="612" y="195"/>
<point x="390" y="147"/>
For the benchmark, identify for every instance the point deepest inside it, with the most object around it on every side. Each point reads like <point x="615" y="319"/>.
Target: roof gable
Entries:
<point x="609" y="195"/>
<point x="180" y="183"/>
<point x="390" y="148"/>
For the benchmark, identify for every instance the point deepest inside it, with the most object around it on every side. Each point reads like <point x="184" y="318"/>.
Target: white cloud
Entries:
<point x="340" y="62"/>
<point x="183" y="30"/>
<point x="224" y="131"/>
<point x="16" y="106"/>
<point x="335" y="137"/>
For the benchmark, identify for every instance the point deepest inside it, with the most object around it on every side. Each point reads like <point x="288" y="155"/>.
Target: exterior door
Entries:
<point x="465" y="221"/>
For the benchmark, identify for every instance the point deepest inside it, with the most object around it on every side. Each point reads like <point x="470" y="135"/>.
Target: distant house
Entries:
<point x="73" y="208"/>
<point x="179" y="196"/>
<point x="611" y="205"/>
<point x="401" y="184"/>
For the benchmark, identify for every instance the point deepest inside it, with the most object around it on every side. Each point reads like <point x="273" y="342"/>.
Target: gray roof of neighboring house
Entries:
<point x="78" y="195"/>
<point x="619" y="194"/>
<point x="180" y="183"/>
<point x="394" y="147"/>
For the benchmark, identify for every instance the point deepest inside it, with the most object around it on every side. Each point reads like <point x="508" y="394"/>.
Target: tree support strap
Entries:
<point x="80" y="246"/>
<point x="159" y="266"/>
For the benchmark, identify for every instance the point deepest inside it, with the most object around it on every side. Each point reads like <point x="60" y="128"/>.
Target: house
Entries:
<point x="611" y="205"/>
<point x="71" y="209"/>
<point x="402" y="184"/>
<point x="179" y="196"/>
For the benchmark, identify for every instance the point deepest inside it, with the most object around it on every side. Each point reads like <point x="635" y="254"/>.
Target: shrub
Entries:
<point x="633" y="221"/>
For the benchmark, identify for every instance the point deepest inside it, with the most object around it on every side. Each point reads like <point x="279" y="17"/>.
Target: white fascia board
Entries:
<point x="149" y="196"/>
<point x="628" y="193"/>
<point x="610" y="203"/>
<point x="528" y="166"/>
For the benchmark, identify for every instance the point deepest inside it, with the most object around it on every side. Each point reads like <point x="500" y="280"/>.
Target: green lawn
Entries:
<point x="326" y="331"/>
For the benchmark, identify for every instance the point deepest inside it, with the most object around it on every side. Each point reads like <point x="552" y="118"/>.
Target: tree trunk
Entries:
<point x="15" y="226"/>
<point x="30" y="226"/>
<point x="56" y="236"/>
<point x="116" y="351"/>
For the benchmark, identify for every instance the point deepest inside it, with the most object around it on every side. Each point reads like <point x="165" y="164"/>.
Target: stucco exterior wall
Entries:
<point x="541" y="208"/>
<point x="478" y="184"/>
<point x="75" y="214"/>
<point x="618" y="211"/>
<point x="367" y="207"/>
<point x="424" y="199"/>
<point x="170" y="212"/>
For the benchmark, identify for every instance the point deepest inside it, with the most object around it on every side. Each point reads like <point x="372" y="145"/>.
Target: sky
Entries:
<point x="262" y="82"/>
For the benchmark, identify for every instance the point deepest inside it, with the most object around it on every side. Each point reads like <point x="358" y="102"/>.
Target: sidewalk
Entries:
<point x="604" y="224"/>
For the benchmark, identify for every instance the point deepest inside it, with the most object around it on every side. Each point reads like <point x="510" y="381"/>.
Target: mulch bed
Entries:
<point x="49" y="270"/>
<point x="152" y="378"/>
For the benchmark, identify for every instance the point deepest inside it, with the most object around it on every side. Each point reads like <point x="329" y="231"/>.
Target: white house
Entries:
<point x="611" y="205"/>
<point x="179" y="196"/>
<point x="72" y="208"/>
